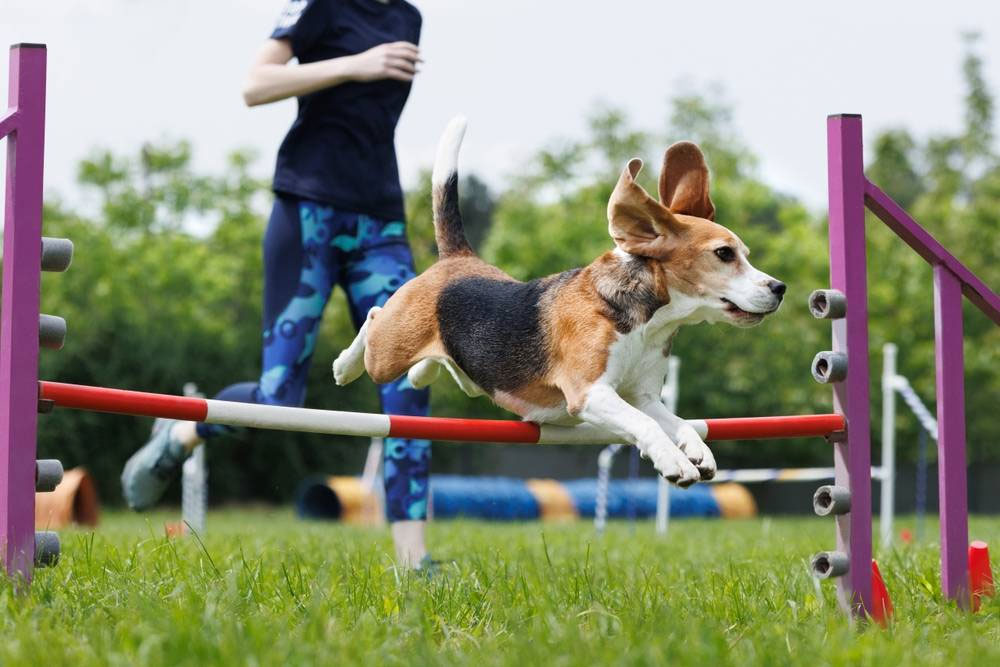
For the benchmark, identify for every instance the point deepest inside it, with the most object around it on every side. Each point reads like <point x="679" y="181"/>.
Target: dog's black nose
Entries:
<point x="777" y="288"/>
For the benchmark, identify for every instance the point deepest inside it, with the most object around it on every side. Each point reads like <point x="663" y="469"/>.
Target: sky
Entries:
<point x="525" y="72"/>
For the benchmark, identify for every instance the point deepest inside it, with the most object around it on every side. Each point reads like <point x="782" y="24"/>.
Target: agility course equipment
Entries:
<point x="846" y="304"/>
<point x="980" y="574"/>
<point x="893" y="383"/>
<point x="23" y="329"/>
<point x="334" y="422"/>
<point x="510" y="499"/>
<point x="882" y="608"/>
<point x="669" y="395"/>
<point x="72" y="501"/>
<point x="338" y="498"/>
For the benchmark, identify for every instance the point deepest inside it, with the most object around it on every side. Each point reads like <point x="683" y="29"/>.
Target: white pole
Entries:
<point x="604" y="461"/>
<point x="194" y="481"/>
<point x="669" y="396"/>
<point x="194" y="490"/>
<point x="373" y="462"/>
<point x="371" y="478"/>
<point x="888" y="441"/>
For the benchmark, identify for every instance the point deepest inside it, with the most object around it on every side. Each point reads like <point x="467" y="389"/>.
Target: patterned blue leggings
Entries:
<point x="308" y="248"/>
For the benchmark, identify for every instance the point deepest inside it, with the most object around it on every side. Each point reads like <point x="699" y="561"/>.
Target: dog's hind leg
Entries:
<point x="350" y="364"/>
<point x="464" y="382"/>
<point x="424" y="373"/>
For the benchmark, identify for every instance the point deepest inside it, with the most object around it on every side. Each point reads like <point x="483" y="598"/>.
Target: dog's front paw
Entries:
<point x="696" y="451"/>
<point x="672" y="464"/>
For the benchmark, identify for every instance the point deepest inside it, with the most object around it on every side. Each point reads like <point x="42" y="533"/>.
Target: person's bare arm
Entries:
<point x="271" y="78"/>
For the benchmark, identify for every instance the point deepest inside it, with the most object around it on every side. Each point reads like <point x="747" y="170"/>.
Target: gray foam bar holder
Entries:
<point x="51" y="331"/>
<point x="828" y="304"/>
<point x="57" y="254"/>
<point x="831" y="499"/>
<point x="48" y="474"/>
<point x="828" y="564"/>
<point x="46" y="548"/>
<point x="829" y="367"/>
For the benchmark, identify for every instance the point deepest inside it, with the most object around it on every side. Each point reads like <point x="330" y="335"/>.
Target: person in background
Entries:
<point x="337" y="219"/>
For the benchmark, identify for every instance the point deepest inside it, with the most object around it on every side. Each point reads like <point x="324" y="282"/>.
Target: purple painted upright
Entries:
<point x="850" y="193"/>
<point x="24" y="126"/>
<point x="953" y="487"/>
<point x="852" y="455"/>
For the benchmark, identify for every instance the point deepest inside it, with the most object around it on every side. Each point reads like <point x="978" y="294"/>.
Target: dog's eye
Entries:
<point x="725" y="253"/>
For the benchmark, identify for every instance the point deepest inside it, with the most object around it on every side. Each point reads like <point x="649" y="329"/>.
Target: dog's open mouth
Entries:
<point x="738" y="313"/>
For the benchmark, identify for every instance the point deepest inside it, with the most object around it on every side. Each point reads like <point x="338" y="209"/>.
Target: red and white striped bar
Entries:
<point x="333" y="422"/>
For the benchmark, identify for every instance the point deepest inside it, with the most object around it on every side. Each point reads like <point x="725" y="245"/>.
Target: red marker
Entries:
<point x="980" y="575"/>
<point x="882" y="605"/>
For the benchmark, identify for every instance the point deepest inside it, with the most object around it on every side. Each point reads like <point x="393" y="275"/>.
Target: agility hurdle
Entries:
<point x="23" y="329"/>
<point x="370" y="425"/>
<point x="846" y="303"/>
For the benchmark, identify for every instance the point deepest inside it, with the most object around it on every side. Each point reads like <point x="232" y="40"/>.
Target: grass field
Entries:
<point x="266" y="589"/>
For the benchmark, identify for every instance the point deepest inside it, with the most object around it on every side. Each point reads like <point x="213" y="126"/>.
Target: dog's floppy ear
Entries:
<point x="684" y="181"/>
<point x="639" y="224"/>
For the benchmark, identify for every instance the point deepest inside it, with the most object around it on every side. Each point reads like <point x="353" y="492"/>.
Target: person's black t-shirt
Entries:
<point x="341" y="150"/>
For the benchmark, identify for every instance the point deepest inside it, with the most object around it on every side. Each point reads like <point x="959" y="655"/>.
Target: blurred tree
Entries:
<point x="893" y="166"/>
<point x="478" y="205"/>
<point x="950" y="184"/>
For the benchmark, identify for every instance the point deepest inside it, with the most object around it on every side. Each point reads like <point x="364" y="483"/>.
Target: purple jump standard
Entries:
<point x="24" y="127"/>
<point x="851" y="455"/>
<point x="850" y="193"/>
<point x="950" y="388"/>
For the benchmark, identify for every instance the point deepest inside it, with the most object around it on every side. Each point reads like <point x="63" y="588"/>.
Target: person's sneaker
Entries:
<point x="430" y="568"/>
<point x="149" y="471"/>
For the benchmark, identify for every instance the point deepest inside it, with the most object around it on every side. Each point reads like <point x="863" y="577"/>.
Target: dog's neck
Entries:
<point x="639" y="293"/>
<point x="632" y="289"/>
<point x="665" y="322"/>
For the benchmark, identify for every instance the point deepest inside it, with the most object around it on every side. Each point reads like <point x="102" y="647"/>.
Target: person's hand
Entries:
<point x="394" y="60"/>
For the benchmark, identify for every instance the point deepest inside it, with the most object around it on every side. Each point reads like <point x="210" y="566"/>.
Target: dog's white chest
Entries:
<point x="637" y="363"/>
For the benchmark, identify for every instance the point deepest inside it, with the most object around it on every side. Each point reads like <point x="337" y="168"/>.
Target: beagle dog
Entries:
<point x="589" y="344"/>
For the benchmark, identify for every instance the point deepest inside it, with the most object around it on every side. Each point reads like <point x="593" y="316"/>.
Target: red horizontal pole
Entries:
<point x="446" y="428"/>
<point x="121" y="401"/>
<point x="760" y="428"/>
<point x="139" y="403"/>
